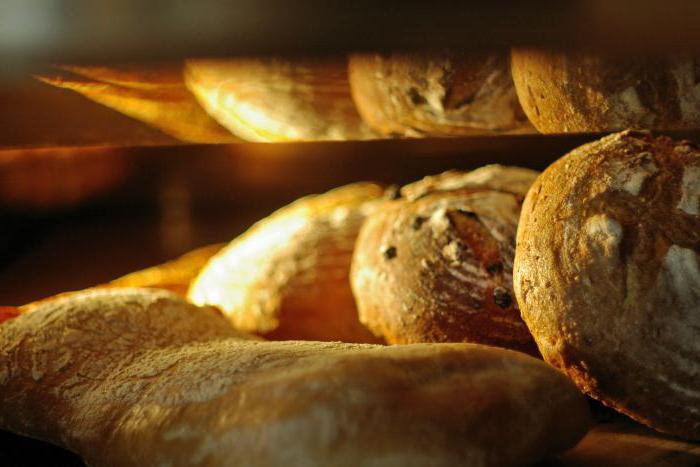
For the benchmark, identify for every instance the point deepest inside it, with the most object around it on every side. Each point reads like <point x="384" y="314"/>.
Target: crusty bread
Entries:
<point x="438" y="94"/>
<point x="155" y="95"/>
<point x="435" y="265"/>
<point x="287" y="276"/>
<point x="278" y="99"/>
<point x="176" y="275"/>
<point x="578" y="92"/>
<point x="607" y="275"/>
<point x="139" y="377"/>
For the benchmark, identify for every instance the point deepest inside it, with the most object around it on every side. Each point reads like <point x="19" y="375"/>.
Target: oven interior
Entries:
<point x="89" y="193"/>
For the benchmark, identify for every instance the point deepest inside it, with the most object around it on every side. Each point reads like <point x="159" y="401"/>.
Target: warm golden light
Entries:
<point x="155" y="95"/>
<point x="289" y="272"/>
<point x="8" y="312"/>
<point x="278" y="100"/>
<point x="59" y="177"/>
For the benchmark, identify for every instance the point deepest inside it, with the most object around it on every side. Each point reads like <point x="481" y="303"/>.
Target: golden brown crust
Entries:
<point x="287" y="276"/>
<point x="607" y="274"/>
<point x="155" y="95"/>
<point x="436" y="265"/>
<point x="175" y="275"/>
<point x="8" y="312"/>
<point x="578" y="92"/>
<point x="514" y="180"/>
<point x="278" y="99"/>
<point x="440" y="94"/>
<point x="139" y="377"/>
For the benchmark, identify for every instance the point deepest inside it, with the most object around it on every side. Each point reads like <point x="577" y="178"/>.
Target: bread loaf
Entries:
<point x="607" y="275"/>
<point x="136" y="377"/>
<point x="176" y="275"/>
<point x="439" y="94"/>
<point x="287" y="276"/>
<point x="435" y="265"/>
<point x="579" y="92"/>
<point x="8" y="312"/>
<point x="278" y="99"/>
<point x="155" y="95"/>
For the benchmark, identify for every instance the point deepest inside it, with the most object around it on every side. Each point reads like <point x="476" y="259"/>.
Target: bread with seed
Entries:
<point x="435" y="265"/>
<point x="436" y="94"/>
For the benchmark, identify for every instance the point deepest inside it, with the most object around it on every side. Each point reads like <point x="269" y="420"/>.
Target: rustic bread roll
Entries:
<point x="578" y="92"/>
<point x="278" y="99"/>
<point x="607" y="275"/>
<point x="51" y="178"/>
<point x="175" y="275"/>
<point x="155" y="95"/>
<point x="140" y="377"/>
<point x="445" y="94"/>
<point x="436" y="264"/>
<point x="287" y="276"/>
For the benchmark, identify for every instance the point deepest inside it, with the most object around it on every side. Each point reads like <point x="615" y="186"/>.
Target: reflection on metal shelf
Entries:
<point x="181" y="197"/>
<point x="33" y="114"/>
<point x="175" y="208"/>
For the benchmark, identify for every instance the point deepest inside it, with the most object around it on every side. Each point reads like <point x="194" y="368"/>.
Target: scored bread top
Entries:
<point x="443" y="93"/>
<point x="579" y="91"/>
<point x="435" y="265"/>
<point x="607" y="274"/>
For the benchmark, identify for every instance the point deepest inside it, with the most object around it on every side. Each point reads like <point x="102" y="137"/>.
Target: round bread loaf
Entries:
<point x="579" y="92"/>
<point x="445" y="94"/>
<point x="287" y="276"/>
<point x="435" y="265"/>
<point x="278" y="100"/>
<point x="607" y="275"/>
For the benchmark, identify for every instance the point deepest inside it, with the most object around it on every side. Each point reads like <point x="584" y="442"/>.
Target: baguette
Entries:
<point x="156" y="96"/>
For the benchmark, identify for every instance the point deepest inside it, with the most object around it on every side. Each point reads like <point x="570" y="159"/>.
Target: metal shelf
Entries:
<point x="39" y="31"/>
